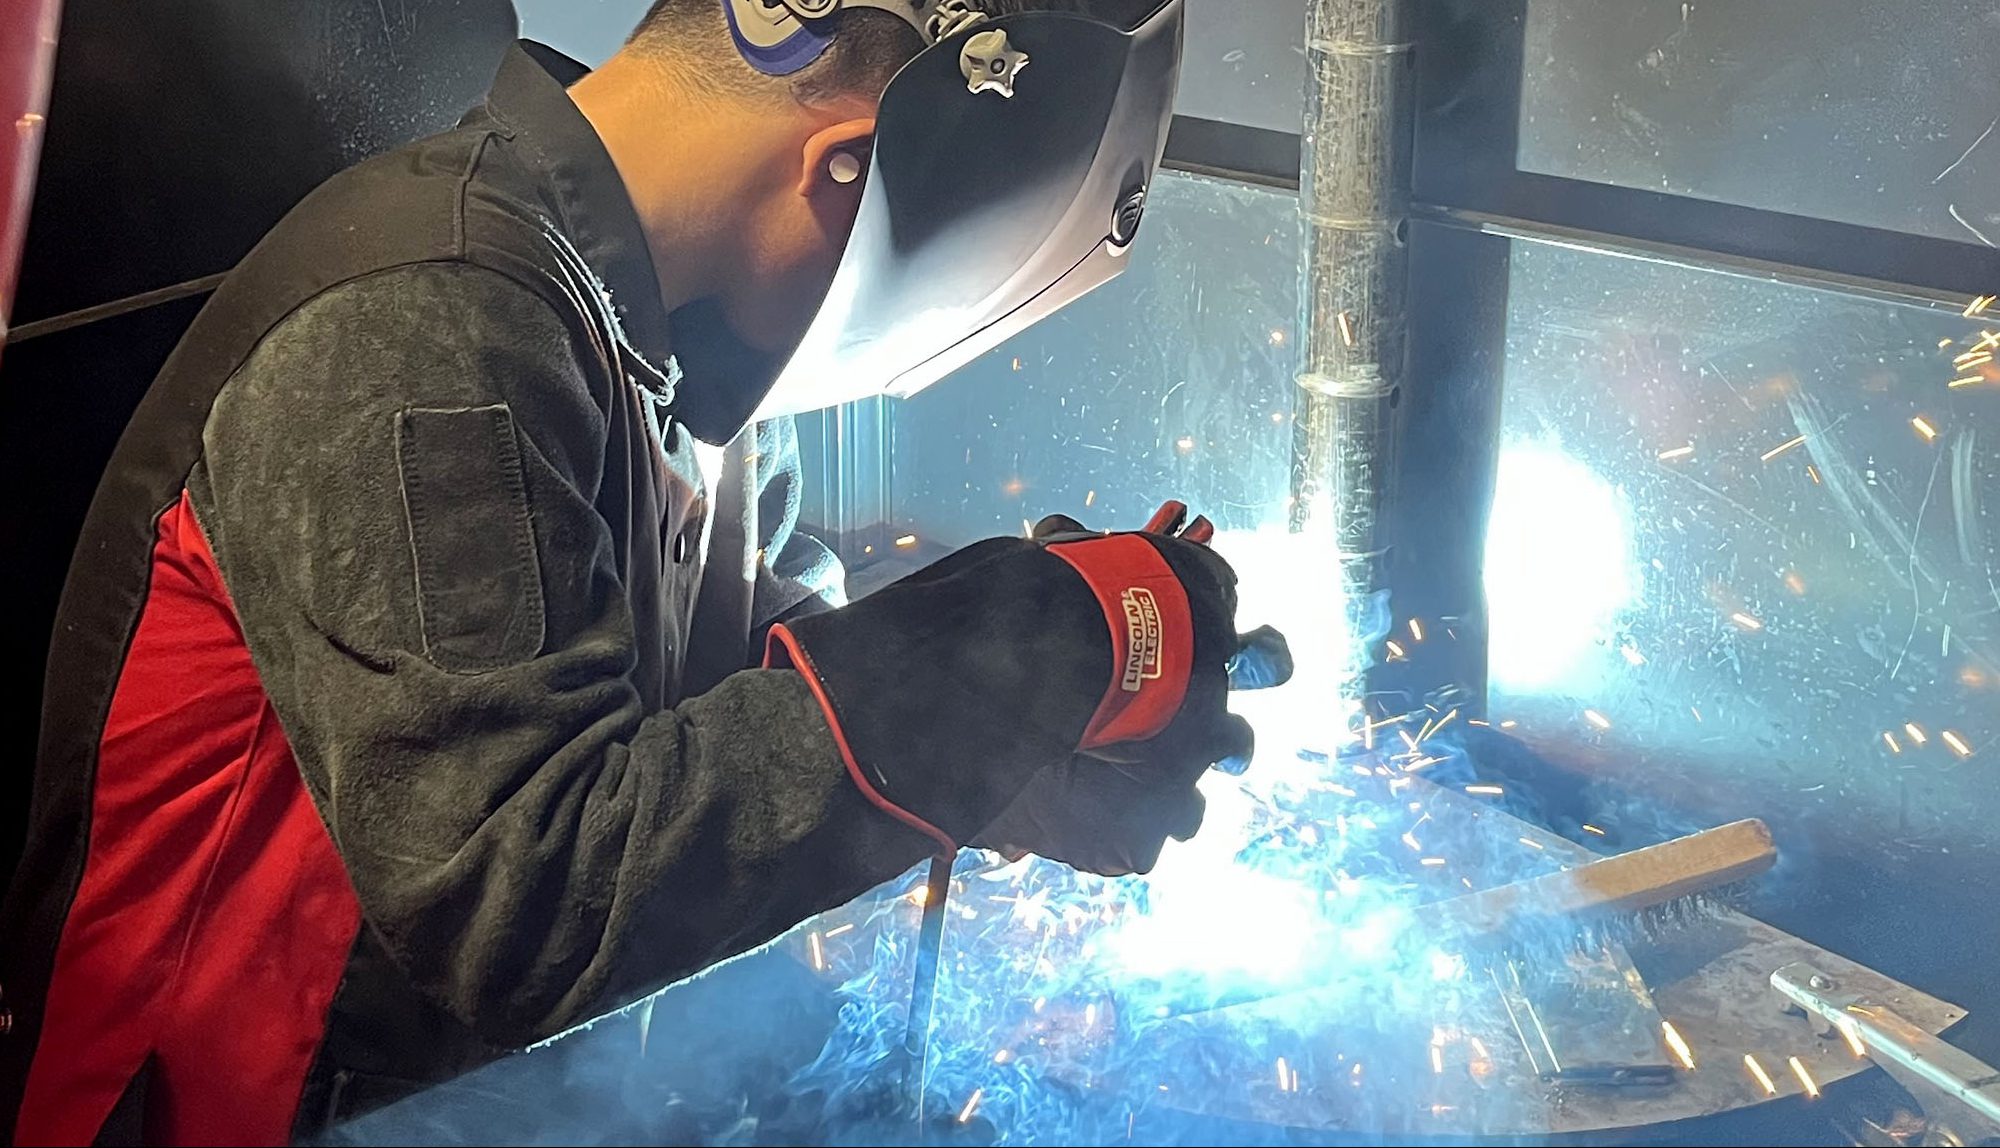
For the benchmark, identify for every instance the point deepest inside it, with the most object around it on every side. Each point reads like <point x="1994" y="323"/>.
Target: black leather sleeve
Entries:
<point x="399" y="487"/>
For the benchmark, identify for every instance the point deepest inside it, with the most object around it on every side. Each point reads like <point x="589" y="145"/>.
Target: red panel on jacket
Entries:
<point x="214" y="918"/>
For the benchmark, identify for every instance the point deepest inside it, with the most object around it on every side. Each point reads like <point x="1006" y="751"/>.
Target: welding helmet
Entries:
<point x="1009" y="171"/>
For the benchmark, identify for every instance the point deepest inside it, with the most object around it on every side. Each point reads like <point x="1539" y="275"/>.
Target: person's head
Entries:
<point x="800" y="145"/>
<point x="744" y="132"/>
<point x="799" y="142"/>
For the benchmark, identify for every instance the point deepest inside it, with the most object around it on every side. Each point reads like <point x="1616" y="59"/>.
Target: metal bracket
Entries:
<point x="1930" y="1067"/>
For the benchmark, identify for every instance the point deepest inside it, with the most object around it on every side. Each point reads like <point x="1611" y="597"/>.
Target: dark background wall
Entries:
<point x="178" y="132"/>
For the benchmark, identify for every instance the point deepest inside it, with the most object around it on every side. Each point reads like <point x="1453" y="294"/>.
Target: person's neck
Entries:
<point x="687" y="163"/>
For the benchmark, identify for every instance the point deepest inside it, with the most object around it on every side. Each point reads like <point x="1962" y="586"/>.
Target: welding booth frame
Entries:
<point x="1469" y="200"/>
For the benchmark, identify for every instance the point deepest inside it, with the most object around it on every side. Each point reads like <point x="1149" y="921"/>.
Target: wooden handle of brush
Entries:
<point x="1628" y="883"/>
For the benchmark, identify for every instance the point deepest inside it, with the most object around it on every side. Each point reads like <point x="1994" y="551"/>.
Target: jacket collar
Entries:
<point x="530" y="101"/>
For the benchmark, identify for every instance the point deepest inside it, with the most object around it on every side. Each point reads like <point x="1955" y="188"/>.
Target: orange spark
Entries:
<point x="1805" y="1078"/>
<point x="1757" y="1070"/>
<point x="1675" y="1042"/>
<point x="1782" y="448"/>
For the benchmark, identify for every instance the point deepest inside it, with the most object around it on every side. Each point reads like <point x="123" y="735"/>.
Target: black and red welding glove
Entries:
<point x="953" y="691"/>
<point x="1110" y="808"/>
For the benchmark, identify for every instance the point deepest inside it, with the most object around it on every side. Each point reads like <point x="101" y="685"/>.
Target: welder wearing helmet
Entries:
<point x="419" y="693"/>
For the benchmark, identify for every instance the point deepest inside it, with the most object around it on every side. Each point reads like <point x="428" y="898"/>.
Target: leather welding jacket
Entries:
<point x="392" y="721"/>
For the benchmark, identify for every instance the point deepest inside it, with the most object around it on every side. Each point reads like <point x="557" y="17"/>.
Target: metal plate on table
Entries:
<point x="1473" y="1075"/>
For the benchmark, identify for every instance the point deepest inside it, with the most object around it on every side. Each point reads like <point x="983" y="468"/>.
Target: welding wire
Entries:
<point x="923" y="988"/>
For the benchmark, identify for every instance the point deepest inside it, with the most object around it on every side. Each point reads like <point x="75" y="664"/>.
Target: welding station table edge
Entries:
<point x="1713" y="981"/>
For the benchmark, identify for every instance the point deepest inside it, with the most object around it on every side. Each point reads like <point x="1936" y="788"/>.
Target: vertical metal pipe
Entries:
<point x="1353" y="196"/>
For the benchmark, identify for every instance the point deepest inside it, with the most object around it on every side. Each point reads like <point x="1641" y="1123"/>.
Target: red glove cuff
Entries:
<point x="1152" y="635"/>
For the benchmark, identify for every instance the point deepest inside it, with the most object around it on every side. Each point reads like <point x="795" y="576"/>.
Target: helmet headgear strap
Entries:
<point x="780" y="37"/>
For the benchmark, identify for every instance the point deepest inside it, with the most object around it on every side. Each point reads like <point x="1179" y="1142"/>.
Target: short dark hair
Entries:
<point x="869" y="46"/>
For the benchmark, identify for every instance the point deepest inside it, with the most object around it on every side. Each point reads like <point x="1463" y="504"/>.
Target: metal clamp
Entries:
<point x="1928" y="1066"/>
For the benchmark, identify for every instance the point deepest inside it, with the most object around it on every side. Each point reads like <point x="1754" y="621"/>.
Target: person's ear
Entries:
<point x="836" y="157"/>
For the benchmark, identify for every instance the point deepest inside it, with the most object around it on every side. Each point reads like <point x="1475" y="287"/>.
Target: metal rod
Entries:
<point x="1695" y="258"/>
<point x="113" y="309"/>
<point x="1353" y="194"/>
<point x="923" y="987"/>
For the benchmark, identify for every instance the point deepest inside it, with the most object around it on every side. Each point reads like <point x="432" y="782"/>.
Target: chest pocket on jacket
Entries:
<point x="479" y="588"/>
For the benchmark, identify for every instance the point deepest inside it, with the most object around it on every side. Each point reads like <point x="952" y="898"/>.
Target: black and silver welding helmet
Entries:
<point x="1009" y="171"/>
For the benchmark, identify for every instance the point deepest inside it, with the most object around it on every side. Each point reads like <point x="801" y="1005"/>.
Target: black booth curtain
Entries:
<point x="178" y="132"/>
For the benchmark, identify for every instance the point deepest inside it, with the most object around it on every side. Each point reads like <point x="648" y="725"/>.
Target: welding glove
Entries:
<point x="984" y="676"/>
<point x="1109" y="809"/>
